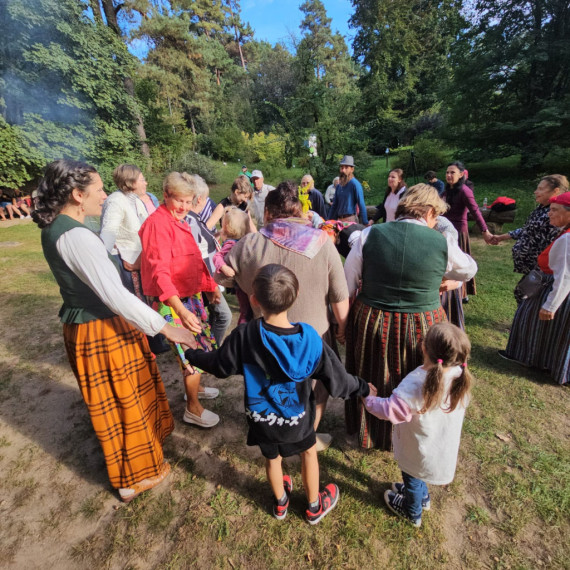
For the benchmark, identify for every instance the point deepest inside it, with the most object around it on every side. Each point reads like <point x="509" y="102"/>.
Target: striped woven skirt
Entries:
<point x="542" y="344"/>
<point x="453" y="307"/>
<point x="382" y="347"/>
<point x="469" y="287"/>
<point x="125" y="396"/>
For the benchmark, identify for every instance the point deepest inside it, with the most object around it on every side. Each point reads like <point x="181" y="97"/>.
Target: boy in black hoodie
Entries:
<point x="278" y="359"/>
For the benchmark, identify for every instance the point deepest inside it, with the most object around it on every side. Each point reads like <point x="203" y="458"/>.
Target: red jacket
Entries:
<point x="171" y="263"/>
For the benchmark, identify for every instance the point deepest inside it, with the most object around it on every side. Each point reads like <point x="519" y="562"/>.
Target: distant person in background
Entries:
<point x="461" y="201"/>
<point x="348" y="201"/>
<point x="315" y="196"/>
<point x="245" y="171"/>
<point x="330" y="191"/>
<point x="431" y="177"/>
<point x="395" y="190"/>
<point x="240" y="197"/>
<point x="260" y="191"/>
<point x="9" y="201"/>
<point x="537" y="231"/>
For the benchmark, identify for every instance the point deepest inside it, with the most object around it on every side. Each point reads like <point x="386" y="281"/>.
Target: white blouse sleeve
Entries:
<point x="111" y="219"/>
<point x="86" y="256"/>
<point x="353" y="263"/>
<point x="559" y="262"/>
<point x="460" y="265"/>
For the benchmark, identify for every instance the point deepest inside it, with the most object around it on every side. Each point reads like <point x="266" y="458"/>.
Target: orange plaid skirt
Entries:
<point x="125" y="396"/>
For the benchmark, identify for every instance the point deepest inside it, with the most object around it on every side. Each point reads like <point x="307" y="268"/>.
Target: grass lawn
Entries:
<point x="509" y="506"/>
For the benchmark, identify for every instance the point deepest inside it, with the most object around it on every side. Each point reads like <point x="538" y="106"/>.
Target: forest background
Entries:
<point x="476" y="80"/>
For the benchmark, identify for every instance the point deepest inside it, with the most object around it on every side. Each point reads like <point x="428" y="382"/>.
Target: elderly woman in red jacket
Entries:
<point x="174" y="274"/>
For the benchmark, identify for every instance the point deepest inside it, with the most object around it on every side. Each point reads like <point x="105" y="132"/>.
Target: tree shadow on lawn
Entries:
<point x="488" y="357"/>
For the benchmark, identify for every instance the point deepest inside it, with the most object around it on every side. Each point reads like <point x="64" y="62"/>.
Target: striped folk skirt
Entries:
<point x="453" y="307"/>
<point x="469" y="287"/>
<point x="382" y="347"/>
<point x="125" y="396"/>
<point x="542" y="344"/>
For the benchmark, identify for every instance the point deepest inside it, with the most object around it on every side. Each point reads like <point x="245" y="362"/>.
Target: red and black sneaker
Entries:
<point x="280" y="511"/>
<point x="327" y="502"/>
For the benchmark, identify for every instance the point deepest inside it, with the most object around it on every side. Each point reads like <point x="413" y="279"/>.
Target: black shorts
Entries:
<point x="274" y="450"/>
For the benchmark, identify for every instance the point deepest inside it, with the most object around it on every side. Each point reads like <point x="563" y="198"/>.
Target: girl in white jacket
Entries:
<point x="427" y="409"/>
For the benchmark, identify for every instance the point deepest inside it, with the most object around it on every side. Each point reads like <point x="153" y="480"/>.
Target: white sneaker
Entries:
<point x="207" y="394"/>
<point x="324" y="441"/>
<point x="207" y="420"/>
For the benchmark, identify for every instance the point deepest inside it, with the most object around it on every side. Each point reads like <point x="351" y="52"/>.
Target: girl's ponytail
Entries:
<point x="446" y="345"/>
<point x="460" y="388"/>
<point x="433" y="387"/>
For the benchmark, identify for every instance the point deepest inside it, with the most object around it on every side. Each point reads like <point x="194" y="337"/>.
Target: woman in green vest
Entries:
<point x="102" y="324"/>
<point x="402" y="265"/>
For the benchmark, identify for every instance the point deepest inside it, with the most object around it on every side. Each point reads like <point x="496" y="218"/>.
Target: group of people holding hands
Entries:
<point x="159" y="269"/>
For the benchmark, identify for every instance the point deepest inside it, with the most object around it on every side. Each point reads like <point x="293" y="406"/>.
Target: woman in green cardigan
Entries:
<point x="402" y="266"/>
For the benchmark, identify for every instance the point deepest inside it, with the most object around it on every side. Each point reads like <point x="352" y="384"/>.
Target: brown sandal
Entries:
<point x="147" y="484"/>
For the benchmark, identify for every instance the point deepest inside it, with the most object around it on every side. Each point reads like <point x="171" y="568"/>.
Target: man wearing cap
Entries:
<point x="348" y="195"/>
<point x="245" y="172"/>
<point x="260" y="191"/>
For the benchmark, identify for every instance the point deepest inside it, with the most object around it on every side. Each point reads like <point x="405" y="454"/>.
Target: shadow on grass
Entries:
<point x="487" y="357"/>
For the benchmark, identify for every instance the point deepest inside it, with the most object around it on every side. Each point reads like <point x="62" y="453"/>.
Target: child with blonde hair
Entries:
<point x="235" y="224"/>
<point x="427" y="409"/>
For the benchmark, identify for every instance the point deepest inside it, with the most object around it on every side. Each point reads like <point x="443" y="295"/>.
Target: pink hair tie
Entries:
<point x="464" y="365"/>
<point x="439" y="361"/>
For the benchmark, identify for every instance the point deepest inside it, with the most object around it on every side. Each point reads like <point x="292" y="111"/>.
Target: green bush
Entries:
<point x="557" y="161"/>
<point x="20" y="162"/>
<point x="195" y="163"/>
<point x="266" y="148"/>
<point x="430" y="154"/>
<point x="225" y="143"/>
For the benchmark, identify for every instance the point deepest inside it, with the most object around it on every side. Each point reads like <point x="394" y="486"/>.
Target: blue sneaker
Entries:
<point x="395" y="502"/>
<point x="400" y="488"/>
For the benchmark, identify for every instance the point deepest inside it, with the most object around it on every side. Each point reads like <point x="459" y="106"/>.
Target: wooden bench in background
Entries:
<point x="495" y="220"/>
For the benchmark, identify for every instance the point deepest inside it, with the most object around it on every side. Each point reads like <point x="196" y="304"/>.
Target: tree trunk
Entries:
<point x="112" y="22"/>
<point x="239" y="47"/>
<point x="111" y="16"/>
<point x="96" y="7"/>
<point x="130" y="89"/>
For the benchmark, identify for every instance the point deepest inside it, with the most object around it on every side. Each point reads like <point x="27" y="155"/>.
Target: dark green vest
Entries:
<point x="80" y="304"/>
<point x="402" y="267"/>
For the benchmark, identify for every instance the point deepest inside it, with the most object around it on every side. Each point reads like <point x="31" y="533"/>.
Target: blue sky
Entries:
<point x="275" y="20"/>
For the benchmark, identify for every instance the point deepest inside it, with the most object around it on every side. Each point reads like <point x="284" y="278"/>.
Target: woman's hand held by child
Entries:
<point x="191" y="322"/>
<point x="373" y="390"/>
<point x="179" y="335"/>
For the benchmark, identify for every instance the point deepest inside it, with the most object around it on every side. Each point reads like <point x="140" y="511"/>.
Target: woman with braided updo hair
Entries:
<point x="103" y="326"/>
